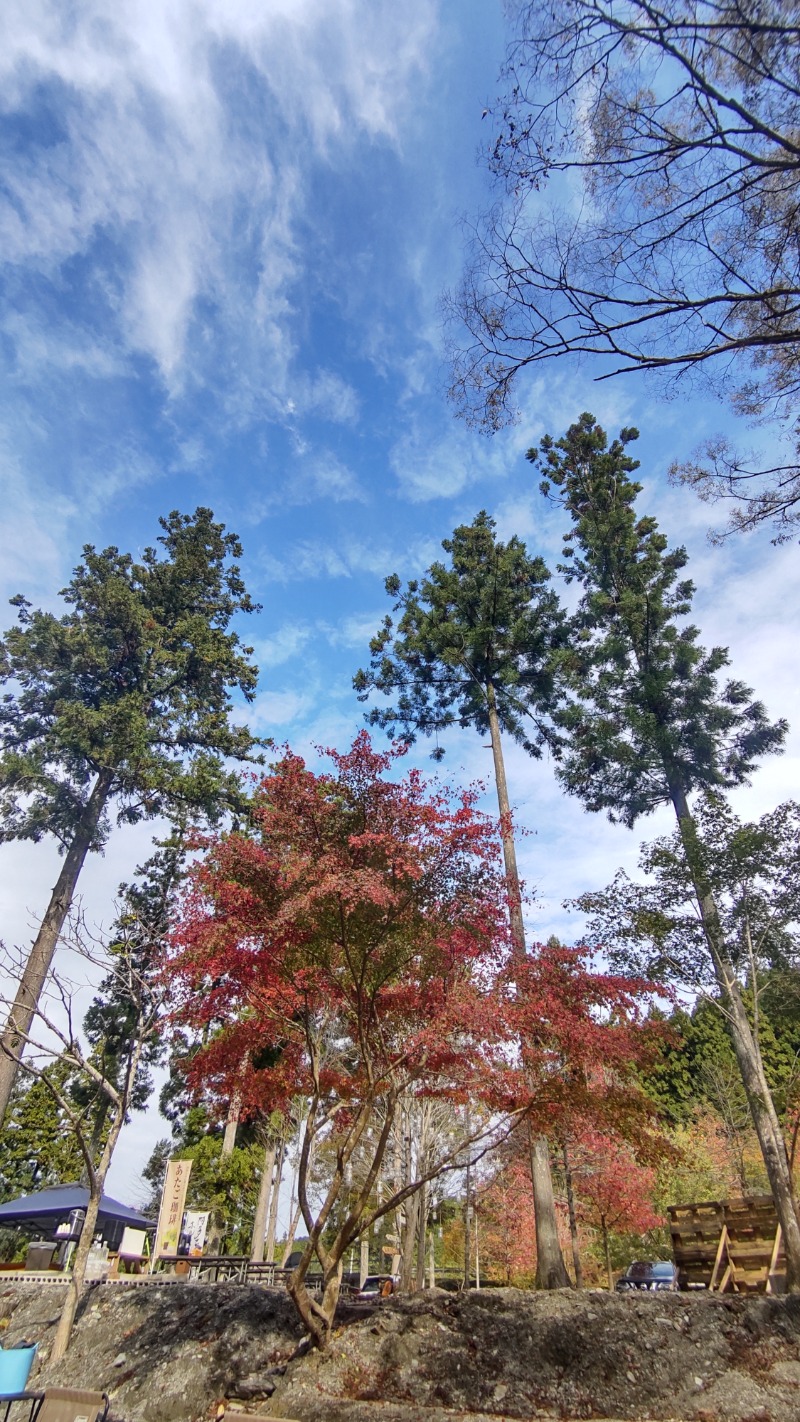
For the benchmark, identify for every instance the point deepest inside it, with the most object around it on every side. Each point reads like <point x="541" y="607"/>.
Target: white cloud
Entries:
<point x="153" y="153"/>
<point x="355" y="631"/>
<point x="344" y="557"/>
<point x="328" y="395"/>
<point x="443" y="466"/>
<point x="31" y="533"/>
<point x="325" y="476"/>
<point x="278" y="708"/>
<point x="287" y="642"/>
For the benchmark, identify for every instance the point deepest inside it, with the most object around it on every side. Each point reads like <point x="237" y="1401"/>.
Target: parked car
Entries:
<point x="642" y="1274"/>
<point x="377" y="1286"/>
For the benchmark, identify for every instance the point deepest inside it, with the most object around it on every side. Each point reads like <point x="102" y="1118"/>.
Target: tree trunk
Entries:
<point x="41" y="955"/>
<point x="550" y="1261"/>
<point x="273" y="1204"/>
<point x="262" y="1205"/>
<point x="607" y="1253"/>
<point x="422" y="1230"/>
<point x="467" y="1231"/>
<point x="746" y="1048"/>
<point x="551" y="1271"/>
<point x="573" y="1220"/>
<point x="318" y="1314"/>
<point x="293" y="1223"/>
<point x="477" y="1241"/>
<point x="408" y="1274"/>
<point x="76" y="1286"/>
<point x="506" y="829"/>
<point x="231" y="1124"/>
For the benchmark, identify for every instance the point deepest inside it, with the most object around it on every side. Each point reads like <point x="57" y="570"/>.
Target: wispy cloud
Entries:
<point x="283" y="645"/>
<point x="278" y="709"/>
<point x="333" y="558"/>
<point x="355" y="632"/>
<point x="151" y="163"/>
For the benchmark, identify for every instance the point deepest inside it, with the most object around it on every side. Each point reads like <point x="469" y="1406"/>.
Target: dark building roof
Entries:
<point x="45" y="1209"/>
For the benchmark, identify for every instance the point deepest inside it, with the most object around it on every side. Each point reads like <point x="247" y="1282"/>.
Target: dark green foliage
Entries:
<point x="134" y="682"/>
<point x="153" y="1172"/>
<point x="668" y="1079"/>
<point x="485" y="619"/>
<point x="38" y="1145"/>
<point x="650" y="720"/>
<point x="695" y="1064"/>
<point x="137" y="940"/>
<point x="227" y="1185"/>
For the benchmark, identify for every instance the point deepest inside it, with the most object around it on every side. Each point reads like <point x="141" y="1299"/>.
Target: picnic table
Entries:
<point x="231" y="1269"/>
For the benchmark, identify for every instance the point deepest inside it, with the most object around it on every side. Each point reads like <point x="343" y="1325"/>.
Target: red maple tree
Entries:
<point x="347" y="948"/>
<point x="583" y="1036"/>
<point x="506" y="1224"/>
<point x="614" y="1189"/>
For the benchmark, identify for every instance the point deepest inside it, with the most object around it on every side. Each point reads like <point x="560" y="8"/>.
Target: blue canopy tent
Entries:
<point x="43" y="1211"/>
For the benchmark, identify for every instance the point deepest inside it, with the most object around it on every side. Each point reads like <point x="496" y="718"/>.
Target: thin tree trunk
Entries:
<point x="746" y="1048"/>
<point x="273" y="1205"/>
<point x="607" y="1253"/>
<point x="293" y="1223"/>
<point x="231" y="1124"/>
<point x="550" y="1261"/>
<point x="76" y="1286"/>
<point x="262" y="1205"/>
<point x="294" y="1206"/>
<point x="506" y="829"/>
<point x="573" y="1219"/>
<point x="422" y="1229"/>
<point x="95" y="1144"/>
<point x="41" y="955"/>
<point x="477" y="1242"/>
<point x="467" y="1231"/>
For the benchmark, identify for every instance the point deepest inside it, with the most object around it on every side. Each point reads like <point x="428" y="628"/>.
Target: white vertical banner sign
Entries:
<point x="173" y="1199"/>
<point x="195" y="1224"/>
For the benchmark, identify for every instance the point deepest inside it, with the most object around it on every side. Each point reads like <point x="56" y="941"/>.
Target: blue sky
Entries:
<point x="225" y="229"/>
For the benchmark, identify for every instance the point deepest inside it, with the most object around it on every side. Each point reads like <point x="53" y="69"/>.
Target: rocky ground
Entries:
<point x="171" y="1354"/>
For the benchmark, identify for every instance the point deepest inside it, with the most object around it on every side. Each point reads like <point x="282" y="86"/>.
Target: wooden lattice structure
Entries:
<point x="728" y="1245"/>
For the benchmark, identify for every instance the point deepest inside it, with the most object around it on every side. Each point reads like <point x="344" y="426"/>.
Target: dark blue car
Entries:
<point x="649" y="1276"/>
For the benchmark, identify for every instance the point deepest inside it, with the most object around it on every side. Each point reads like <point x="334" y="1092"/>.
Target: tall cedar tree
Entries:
<point x="473" y="646"/>
<point x="124" y="701"/>
<point x="651" y="722"/>
<point x="145" y="910"/>
<point x="359" y="923"/>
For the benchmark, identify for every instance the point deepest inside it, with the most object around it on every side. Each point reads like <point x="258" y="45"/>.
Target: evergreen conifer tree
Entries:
<point x="473" y="646"/>
<point x="651" y="721"/>
<point x="137" y="939"/>
<point x="122" y="703"/>
<point x="37" y="1144"/>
